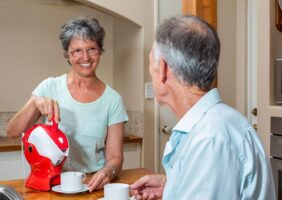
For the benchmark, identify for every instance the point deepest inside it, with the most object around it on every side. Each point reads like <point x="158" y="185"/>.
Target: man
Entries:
<point x="213" y="152"/>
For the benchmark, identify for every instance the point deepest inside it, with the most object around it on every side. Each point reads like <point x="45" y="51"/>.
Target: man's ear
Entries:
<point x="163" y="70"/>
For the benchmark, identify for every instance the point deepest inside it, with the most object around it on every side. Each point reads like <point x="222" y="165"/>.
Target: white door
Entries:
<point x="165" y="118"/>
<point x="252" y="62"/>
<point x="167" y="122"/>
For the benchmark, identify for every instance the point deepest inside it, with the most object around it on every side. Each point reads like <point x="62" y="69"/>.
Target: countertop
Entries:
<point x="125" y="176"/>
<point x="14" y="144"/>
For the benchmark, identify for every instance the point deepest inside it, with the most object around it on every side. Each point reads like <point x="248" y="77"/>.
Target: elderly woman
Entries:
<point x="90" y="112"/>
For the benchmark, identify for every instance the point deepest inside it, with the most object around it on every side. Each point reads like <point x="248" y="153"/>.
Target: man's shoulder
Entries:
<point x="224" y="123"/>
<point x="224" y="114"/>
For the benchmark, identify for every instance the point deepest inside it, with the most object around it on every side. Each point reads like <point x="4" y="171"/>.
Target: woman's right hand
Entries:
<point x="47" y="106"/>
<point x="31" y="112"/>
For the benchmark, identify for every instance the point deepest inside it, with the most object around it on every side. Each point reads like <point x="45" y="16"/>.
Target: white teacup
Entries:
<point x="116" y="191"/>
<point x="72" y="181"/>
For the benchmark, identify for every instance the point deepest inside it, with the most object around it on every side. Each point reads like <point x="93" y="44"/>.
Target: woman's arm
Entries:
<point x="113" y="156"/>
<point x="30" y="113"/>
<point x="114" y="148"/>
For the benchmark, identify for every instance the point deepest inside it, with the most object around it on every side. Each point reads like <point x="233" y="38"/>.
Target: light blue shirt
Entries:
<point x="215" y="154"/>
<point x="85" y="124"/>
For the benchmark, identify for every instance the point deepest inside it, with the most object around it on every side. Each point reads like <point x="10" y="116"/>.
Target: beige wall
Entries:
<point x="143" y="14"/>
<point x="31" y="50"/>
<point x="226" y="26"/>
<point x="132" y="10"/>
<point x="128" y="63"/>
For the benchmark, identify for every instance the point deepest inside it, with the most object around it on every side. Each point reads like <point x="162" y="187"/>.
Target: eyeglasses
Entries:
<point x="77" y="53"/>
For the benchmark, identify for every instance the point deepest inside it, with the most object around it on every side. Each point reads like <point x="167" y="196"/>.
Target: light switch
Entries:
<point x="149" y="91"/>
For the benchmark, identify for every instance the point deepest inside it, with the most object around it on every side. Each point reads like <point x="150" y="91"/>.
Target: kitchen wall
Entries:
<point x="32" y="53"/>
<point x="32" y="49"/>
<point x="133" y="19"/>
<point x="226" y="27"/>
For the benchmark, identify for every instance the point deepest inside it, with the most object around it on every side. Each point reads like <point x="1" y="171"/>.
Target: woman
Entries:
<point x="90" y="112"/>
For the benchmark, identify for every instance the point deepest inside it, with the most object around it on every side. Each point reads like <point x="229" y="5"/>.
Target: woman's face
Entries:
<point x="84" y="56"/>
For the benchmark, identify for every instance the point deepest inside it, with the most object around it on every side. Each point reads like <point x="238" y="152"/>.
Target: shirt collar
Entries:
<point x="193" y="115"/>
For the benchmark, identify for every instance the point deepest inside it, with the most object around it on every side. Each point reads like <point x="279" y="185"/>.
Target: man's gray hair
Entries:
<point x="191" y="48"/>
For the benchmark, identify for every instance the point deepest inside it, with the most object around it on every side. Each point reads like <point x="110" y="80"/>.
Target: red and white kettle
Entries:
<point x="45" y="148"/>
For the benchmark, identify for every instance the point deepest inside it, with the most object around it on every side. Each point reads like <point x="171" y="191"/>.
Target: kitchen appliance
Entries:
<point x="276" y="153"/>
<point x="45" y="148"/>
<point x="278" y="81"/>
<point x="8" y="193"/>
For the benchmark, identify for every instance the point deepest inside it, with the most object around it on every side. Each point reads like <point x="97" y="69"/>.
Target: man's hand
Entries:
<point x="149" y="187"/>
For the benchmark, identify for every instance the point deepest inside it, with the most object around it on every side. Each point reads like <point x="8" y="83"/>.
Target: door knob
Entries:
<point x="255" y="112"/>
<point x="255" y="126"/>
<point x="166" y="129"/>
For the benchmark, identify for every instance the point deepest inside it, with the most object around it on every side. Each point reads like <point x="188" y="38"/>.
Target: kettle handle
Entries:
<point x="55" y="124"/>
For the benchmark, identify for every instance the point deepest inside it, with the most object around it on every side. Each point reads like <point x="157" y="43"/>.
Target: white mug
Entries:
<point x="72" y="181"/>
<point x="116" y="191"/>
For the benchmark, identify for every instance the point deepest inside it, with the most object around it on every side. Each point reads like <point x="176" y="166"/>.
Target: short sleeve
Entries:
<point x="41" y="89"/>
<point x="117" y="112"/>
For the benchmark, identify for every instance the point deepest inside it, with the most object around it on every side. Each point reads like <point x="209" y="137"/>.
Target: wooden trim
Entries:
<point x="14" y="144"/>
<point x="207" y="9"/>
<point x="132" y="139"/>
<point x="189" y="7"/>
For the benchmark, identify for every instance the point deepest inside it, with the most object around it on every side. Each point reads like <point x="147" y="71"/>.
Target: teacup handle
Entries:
<point x="84" y="177"/>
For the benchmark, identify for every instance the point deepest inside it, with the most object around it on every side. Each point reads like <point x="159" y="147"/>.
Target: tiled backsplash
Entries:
<point x="135" y="124"/>
<point x="4" y="119"/>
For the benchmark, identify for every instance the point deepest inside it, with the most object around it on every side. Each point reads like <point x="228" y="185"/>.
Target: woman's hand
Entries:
<point x="30" y="113"/>
<point x="149" y="187"/>
<point x="113" y="156"/>
<point x="47" y="106"/>
<point x="100" y="178"/>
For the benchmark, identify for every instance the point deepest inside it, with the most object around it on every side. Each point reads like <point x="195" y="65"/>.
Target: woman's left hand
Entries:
<point x="99" y="179"/>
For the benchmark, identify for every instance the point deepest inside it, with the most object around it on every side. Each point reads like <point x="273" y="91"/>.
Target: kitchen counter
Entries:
<point x="14" y="144"/>
<point x="126" y="176"/>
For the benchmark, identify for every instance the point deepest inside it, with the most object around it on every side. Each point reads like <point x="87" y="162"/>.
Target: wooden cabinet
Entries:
<point x="207" y="9"/>
<point x="278" y="14"/>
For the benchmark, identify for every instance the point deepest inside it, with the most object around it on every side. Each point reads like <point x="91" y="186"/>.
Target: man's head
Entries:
<point x="191" y="48"/>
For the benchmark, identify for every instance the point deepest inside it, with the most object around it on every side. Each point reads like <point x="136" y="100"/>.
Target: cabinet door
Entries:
<point x="207" y="9"/>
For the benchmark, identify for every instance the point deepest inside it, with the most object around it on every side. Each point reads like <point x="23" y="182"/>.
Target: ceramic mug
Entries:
<point x="72" y="181"/>
<point x="116" y="191"/>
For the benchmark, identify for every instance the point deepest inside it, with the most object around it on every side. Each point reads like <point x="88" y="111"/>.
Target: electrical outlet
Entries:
<point x="149" y="91"/>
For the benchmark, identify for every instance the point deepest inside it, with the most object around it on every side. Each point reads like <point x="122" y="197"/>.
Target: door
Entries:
<point x="252" y="62"/>
<point x="165" y="118"/>
<point x="207" y="10"/>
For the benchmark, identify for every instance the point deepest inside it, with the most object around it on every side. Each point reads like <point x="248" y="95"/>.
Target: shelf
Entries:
<point x="14" y="144"/>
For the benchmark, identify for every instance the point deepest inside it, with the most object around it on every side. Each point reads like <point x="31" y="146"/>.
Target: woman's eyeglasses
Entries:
<point x="77" y="53"/>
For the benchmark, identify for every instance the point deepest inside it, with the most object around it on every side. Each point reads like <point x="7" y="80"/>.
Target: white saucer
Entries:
<point x="129" y="198"/>
<point x="57" y="188"/>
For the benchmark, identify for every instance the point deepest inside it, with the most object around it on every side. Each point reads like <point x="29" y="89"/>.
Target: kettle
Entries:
<point x="46" y="148"/>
